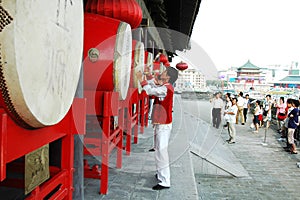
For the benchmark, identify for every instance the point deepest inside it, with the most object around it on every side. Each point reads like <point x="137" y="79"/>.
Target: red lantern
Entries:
<point x="181" y="66"/>
<point x="167" y="64"/>
<point x="128" y="11"/>
<point x="163" y="58"/>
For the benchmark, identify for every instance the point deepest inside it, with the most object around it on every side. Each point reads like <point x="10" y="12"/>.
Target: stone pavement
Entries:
<point x="259" y="171"/>
<point x="136" y="177"/>
<point x="273" y="173"/>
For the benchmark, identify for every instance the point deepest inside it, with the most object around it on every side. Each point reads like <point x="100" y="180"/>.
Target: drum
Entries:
<point x="148" y="63"/>
<point x="138" y="58"/>
<point x="107" y="53"/>
<point x="158" y="67"/>
<point x="41" y="56"/>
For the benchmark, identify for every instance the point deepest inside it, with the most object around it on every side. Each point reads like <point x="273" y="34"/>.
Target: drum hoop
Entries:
<point x="5" y="97"/>
<point x="138" y="63"/>
<point x="121" y="36"/>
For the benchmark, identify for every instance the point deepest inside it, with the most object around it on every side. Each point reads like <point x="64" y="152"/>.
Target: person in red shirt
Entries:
<point x="161" y="87"/>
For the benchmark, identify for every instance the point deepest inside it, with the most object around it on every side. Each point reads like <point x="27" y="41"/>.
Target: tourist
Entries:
<point x="267" y="107"/>
<point x="280" y="113"/>
<point x="228" y="104"/>
<point x="257" y="112"/>
<point x="231" y="112"/>
<point x="240" y="105"/>
<point x="292" y="124"/>
<point x="246" y="106"/>
<point x="217" y="105"/>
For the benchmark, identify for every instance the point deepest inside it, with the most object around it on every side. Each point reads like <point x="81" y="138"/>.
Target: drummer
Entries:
<point x="161" y="87"/>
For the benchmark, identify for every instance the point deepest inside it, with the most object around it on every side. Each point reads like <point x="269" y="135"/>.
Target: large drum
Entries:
<point x="148" y="63"/>
<point x="107" y="53"/>
<point x="41" y="54"/>
<point x="138" y="57"/>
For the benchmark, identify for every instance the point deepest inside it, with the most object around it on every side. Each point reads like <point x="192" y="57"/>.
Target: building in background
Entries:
<point x="291" y="78"/>
<point x="260" y="78"/>
<point x="190" y="80"/>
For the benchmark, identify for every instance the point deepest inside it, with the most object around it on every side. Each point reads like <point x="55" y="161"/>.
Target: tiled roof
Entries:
<point x="248" y="65"/>
<point x="291" y="79"/>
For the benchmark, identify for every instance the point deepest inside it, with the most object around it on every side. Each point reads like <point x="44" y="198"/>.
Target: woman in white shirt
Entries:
<point x="232" y="111"/>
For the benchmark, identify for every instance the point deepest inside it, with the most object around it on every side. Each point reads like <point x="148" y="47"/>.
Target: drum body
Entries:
<point x="107" y="54"/>
<point x="138" y="58"/>
<point x="41" y="56"/>
<point x="148" y="63"/>
<point x="158" y="67"/>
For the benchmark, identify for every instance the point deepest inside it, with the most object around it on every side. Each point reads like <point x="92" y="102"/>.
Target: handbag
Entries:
<point x="281" y="116"/>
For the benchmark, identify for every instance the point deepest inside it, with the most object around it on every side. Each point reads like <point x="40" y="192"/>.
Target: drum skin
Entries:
<point x="138" y="57"/>
<point x="148" y="62"/>
<point x="41" y="57"/>
<point x="107" y="54"/>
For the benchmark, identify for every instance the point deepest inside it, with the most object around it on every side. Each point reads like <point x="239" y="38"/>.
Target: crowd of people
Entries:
<point x="235" y="109"/>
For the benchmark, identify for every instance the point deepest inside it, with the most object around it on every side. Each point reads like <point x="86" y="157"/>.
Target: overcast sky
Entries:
<point x="232" y="31"/>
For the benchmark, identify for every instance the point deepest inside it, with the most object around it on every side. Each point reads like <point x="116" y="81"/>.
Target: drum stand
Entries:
<point x="131" y="105"/>
<point x="144" y="110"/>
<point x="17" y="142"/>
<point x="106" y="107"/>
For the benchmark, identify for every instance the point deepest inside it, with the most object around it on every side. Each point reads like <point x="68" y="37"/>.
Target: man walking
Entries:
<point x="240" y="105"/>
<point x="246" y="106"/>
<point x="217" y="105"/>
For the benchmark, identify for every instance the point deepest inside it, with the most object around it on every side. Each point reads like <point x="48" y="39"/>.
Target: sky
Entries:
<point x="231" y="32"/>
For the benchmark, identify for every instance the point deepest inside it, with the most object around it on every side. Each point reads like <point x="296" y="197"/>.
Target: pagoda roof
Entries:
<point x="248" y="65"/>
<point x="291" y="78"/>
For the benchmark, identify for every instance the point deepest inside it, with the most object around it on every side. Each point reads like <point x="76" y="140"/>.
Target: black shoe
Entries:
<point x="159" y="187"/>
<point x="152" y="149"/>
<point x="231" y="142"/>
<point x="243" y="123"/>
<point x="228" y="140"/>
